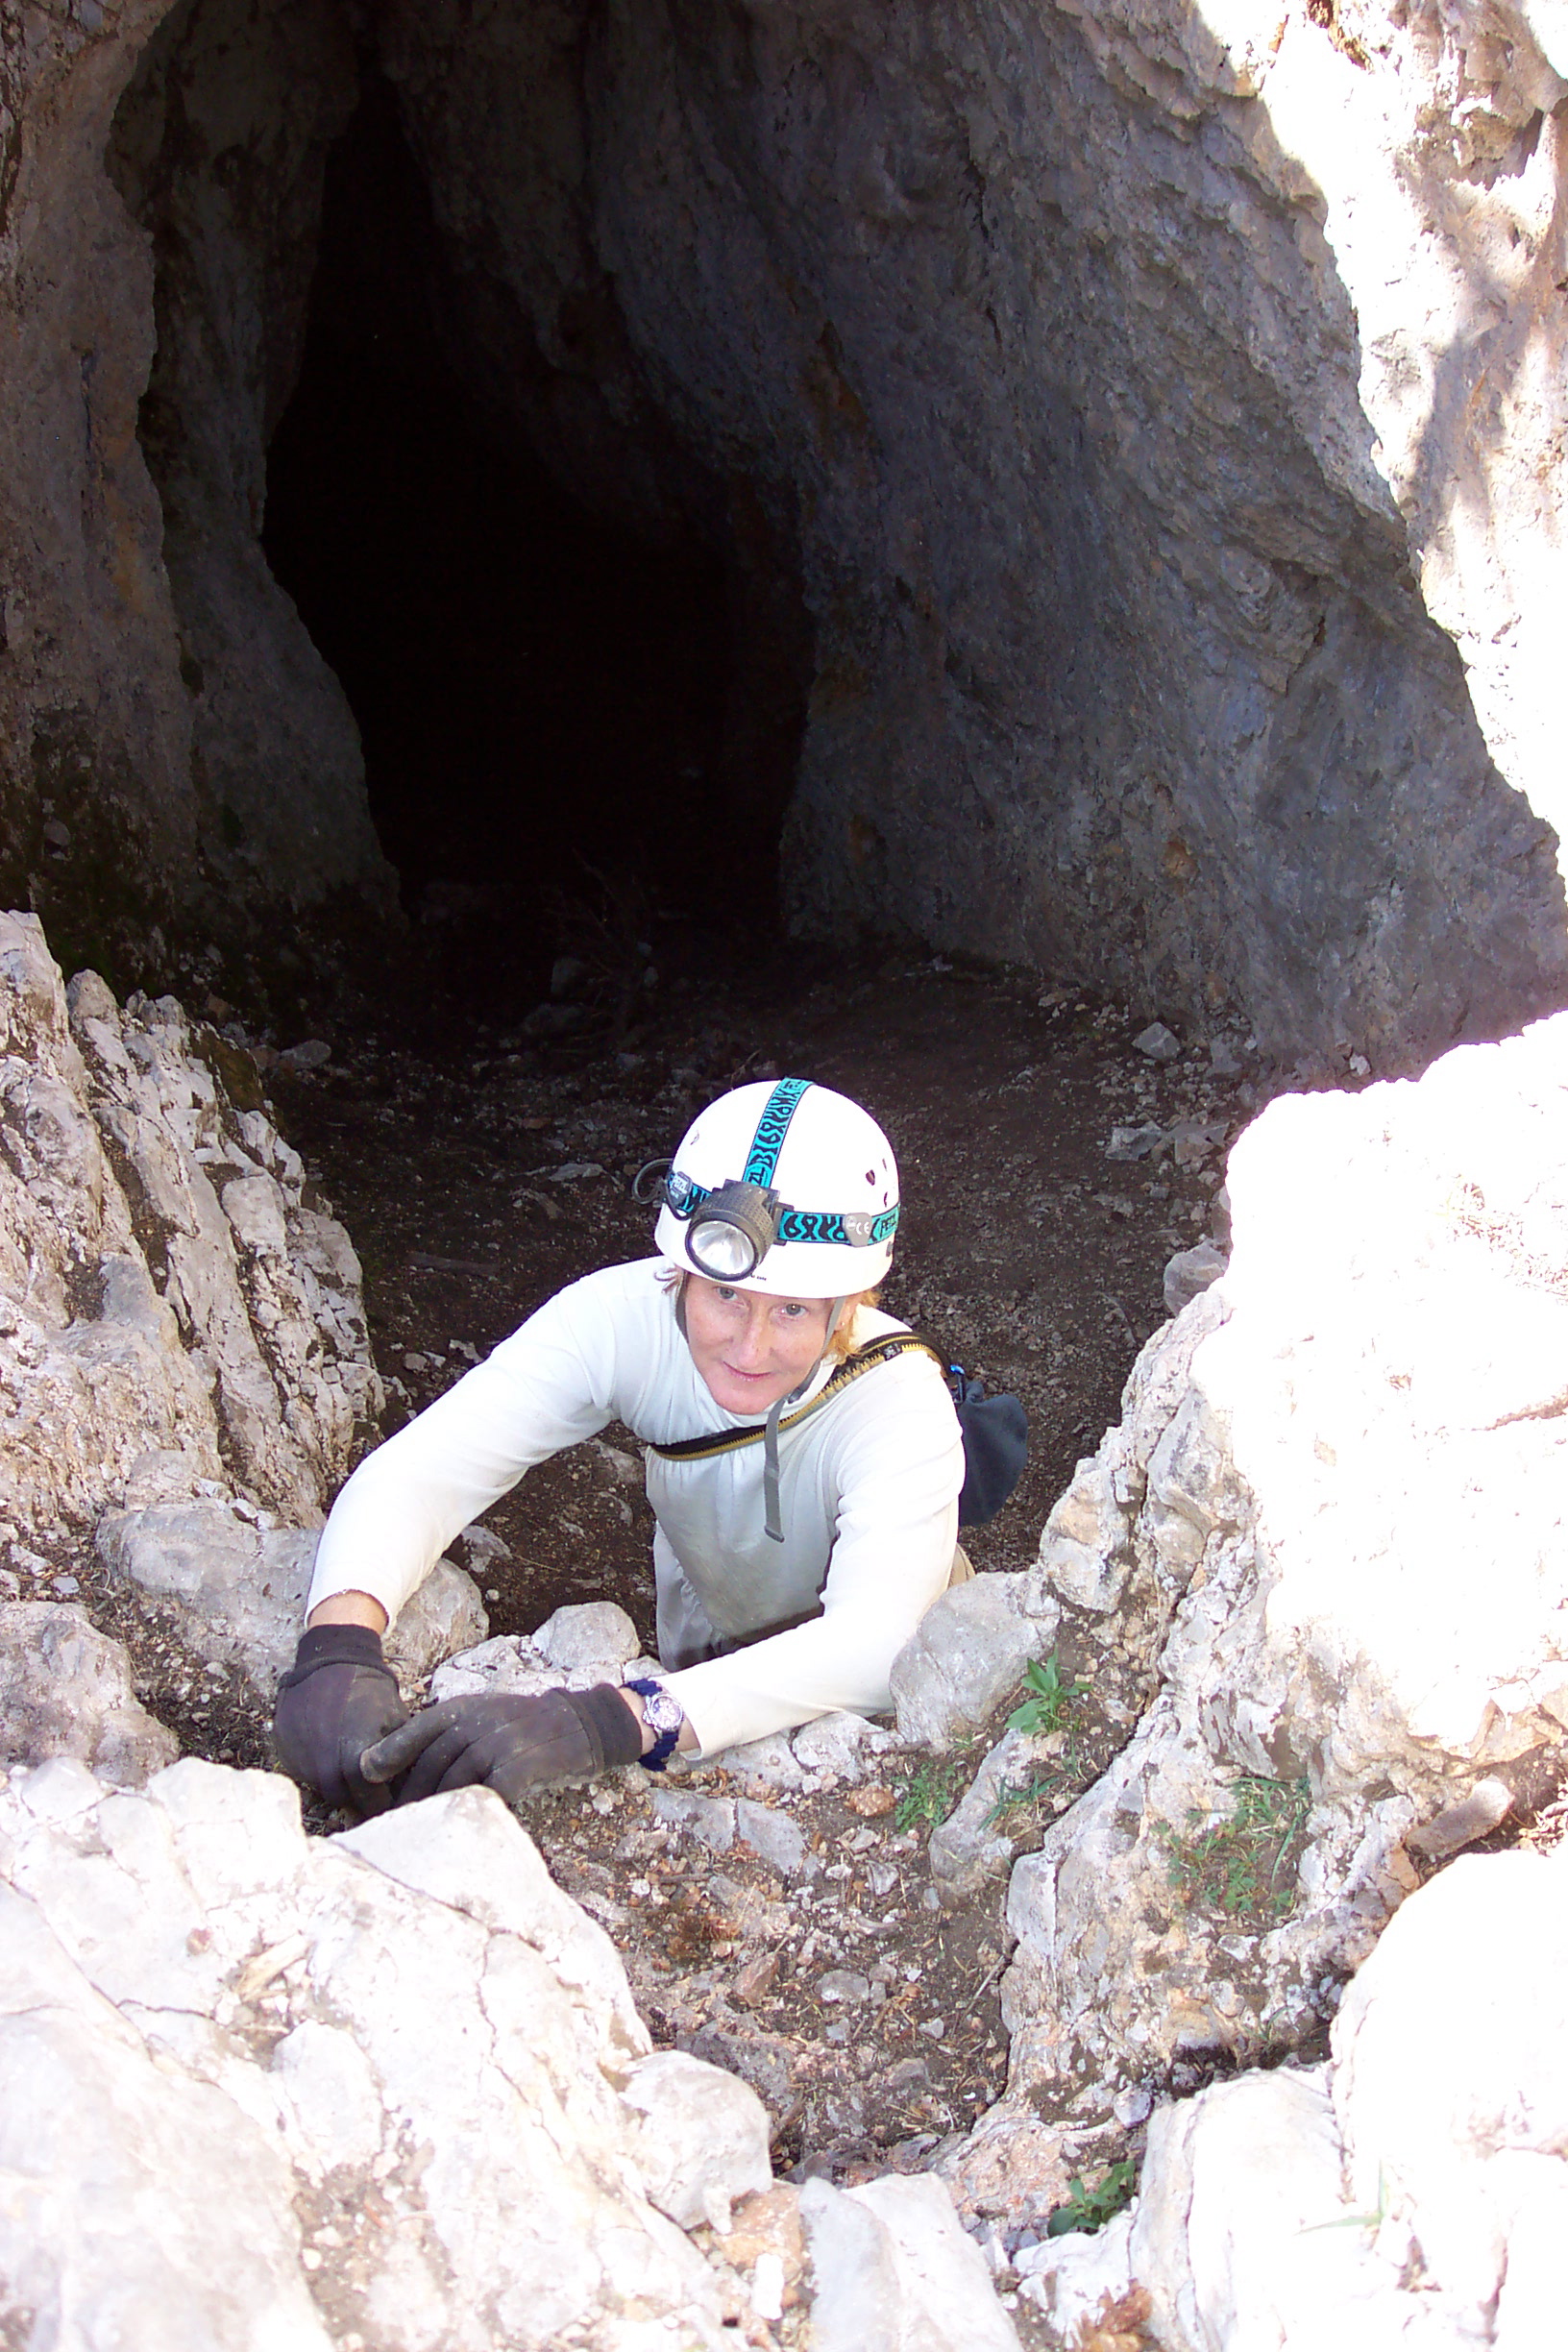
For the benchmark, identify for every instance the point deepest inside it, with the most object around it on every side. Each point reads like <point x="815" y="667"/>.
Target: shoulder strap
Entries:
<point x="864" y="1359"/>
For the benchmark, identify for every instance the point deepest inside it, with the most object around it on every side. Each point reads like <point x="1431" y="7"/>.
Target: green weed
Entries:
<point x="928" y="1792"/>
<point x="1091" y="2209"/>
<point x="1242" y="1863"/>
<point x="1025" y="1794"/>
<point x="1048" y="1698"/>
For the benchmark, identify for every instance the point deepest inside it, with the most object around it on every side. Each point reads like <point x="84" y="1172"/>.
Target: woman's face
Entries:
<point x="750" y="1347"/>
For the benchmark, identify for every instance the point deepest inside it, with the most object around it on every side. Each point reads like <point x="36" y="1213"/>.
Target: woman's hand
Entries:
<point x="339" y="1697"/>
<point x="509" y="1743"/>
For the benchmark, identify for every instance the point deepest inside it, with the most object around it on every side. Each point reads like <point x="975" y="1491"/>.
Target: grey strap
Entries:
<point x="773" y="1517"/>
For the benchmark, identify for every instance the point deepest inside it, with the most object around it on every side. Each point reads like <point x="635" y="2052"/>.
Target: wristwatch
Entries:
<point x="664" y="1715"/>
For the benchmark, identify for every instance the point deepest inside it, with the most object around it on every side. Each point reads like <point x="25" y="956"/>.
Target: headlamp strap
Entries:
<point x="771" y="1128"/>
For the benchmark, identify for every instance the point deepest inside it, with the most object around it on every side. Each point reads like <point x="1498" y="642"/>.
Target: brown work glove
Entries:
<point x="509" y="1743"/>
<point x="338" y="1696"/>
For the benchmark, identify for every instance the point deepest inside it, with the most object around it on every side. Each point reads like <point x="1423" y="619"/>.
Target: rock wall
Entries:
<point x="1334" y="1516"/>
<point x="1411" y="2190"/>
<point x="1127" y="428"/>
<point x="219" y="148"/>
<point x="179" y="1316"/>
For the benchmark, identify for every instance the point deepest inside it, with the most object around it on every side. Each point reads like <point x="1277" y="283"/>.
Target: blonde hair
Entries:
<point x="843" y="1342"/>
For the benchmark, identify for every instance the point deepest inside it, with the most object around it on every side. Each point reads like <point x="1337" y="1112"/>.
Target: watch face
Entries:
<point x="663" y="1711"/>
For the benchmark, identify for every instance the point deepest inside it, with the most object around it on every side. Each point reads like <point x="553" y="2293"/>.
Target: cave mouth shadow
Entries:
<point x="542" y="696"/>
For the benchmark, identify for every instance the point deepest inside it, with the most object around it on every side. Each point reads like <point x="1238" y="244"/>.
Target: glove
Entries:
<point x="509" y="1743"/>
<point x="337" y="1698"/>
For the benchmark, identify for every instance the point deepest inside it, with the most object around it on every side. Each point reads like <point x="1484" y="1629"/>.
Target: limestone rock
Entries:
<point x="263" y="1284"/>
<point x="1412" y="2190"/>
<point x="1072" y="2278"/>
<point x="1262" y="243"/>
<point x="768" y="1763"/>
<point x="1469" y="2155"/>
<point x="1190" y="1271"/>
<point x="215" y="2028"/>
<point x="66" y="1690"/>
<point x="592" y="1638"/>
<point x="967" y="1652"/>
<point x="895" y="2273"/>
<point x="239" y="1589"/>
<point x="701" y="2138"/>
<point x="772" y="1836"/>
<point x="845" y="1745"/>
<point x="593" y="1641"/>
<point x="1310" y="1466"/>
<point x="506" y="1662"/>
<point x="712" y="1819"/>
<point x="972" y="1845"/>
<point x="141" y="1333"/>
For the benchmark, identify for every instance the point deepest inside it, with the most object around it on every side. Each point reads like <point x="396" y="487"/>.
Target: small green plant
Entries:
<point x="1024" y="1796"/>
<point x="1048" y="1698"/>
<point x="929" y="1792"/>
<point x="1373" y="2221"/>
<point x="1241" y="1863"/>
<point x="1091" y="2209"/>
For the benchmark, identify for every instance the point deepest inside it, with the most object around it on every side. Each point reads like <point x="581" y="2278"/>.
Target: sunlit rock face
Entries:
<point x="1127" y="435"/>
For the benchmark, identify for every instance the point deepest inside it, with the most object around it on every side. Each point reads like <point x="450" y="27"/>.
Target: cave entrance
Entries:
<point x="545" y="700"/>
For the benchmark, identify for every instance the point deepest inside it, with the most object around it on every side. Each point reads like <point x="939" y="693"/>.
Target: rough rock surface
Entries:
<point x="370" y="2101"/>
<point x="150" y="655"/>
<point x="1126" y="395"/>
<point x="236" y="1586"/>
<point x="1415" y="2191"/>
<point x="390" y="2087"/>
<point x="967" y="1652"/>
<point x="65" y="1690"/>
<point x="1314" y="1459"/>
<point x="179" y="1316"/>
<point x="895" y="2273"/>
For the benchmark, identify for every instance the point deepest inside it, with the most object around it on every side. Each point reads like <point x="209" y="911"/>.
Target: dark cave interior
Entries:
<point x="545" y="699"/>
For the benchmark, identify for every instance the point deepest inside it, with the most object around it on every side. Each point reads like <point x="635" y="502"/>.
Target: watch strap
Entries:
<point x="664" y="1745"/>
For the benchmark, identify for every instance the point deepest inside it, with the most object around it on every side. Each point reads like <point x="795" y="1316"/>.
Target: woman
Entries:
<point x="801" y="1535"/>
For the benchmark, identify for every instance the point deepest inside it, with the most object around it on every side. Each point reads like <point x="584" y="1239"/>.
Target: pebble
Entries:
<point x="1158" y="1044"/>
<point x="844" y="1985"/>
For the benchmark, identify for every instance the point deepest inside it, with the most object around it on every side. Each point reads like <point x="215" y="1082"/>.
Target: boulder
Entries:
<point x="967" y="1653"/>
<point x="1313" y="1459"/>
<point x="236" y="1588"/>
<point x="333" y="2102"/>
<point x="895" y="2273"/>
<point x="846" y="1746"/>
<point x="1416" y="2189"/>
<point x="594" y="1640"/>
<point x="701" y="2143"/>
<point x="66" y="1689"/>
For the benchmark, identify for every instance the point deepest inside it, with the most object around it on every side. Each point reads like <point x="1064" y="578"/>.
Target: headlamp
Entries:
<point x="732" y="1230"/>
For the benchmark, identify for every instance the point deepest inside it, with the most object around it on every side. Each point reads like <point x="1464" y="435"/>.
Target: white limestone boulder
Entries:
<point x="261" y="2091"/>
<point x="1415" y="2191"/>
<point x="1337" y="1503"/>
<point x="895" y="2273"/>
<point x="66" y="1689"/>
<point x="967" y="1652"/>
<point x="237" y="1588"/>
<point x="701" y="2138"/>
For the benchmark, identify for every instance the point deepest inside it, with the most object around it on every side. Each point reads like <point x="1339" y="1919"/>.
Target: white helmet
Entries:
<point x="783" y="1187"/>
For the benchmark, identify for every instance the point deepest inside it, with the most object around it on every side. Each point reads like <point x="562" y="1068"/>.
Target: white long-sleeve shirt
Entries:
<point x="868" y="1488"/>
